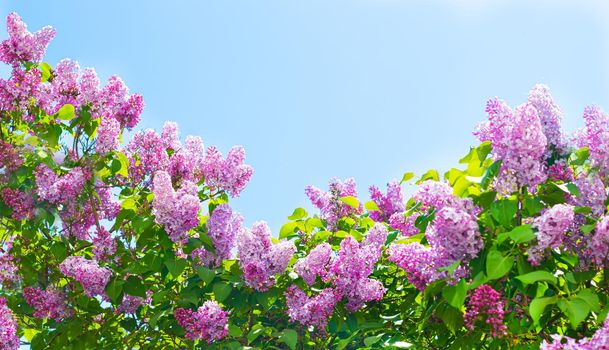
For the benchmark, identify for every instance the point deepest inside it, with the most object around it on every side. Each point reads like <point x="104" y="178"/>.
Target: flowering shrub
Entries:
<point x="106" y="244"/>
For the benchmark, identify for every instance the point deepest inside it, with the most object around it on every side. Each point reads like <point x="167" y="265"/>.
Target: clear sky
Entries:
<point x="316" y="89"/>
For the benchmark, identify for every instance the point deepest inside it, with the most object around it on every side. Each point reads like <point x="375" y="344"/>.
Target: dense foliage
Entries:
<point x="112" y="245"/>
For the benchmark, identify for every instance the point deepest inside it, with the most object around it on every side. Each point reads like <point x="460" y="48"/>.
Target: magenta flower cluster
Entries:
<point x="389" y="204"/>
<point x="177" y="210"/>
<point x="9" y="340"/>
<point x="230" y="174"/>
<point x="596" y="137"/>
<point x="222" y="227"/>
<point x="417" y="260"/>
<point x="209" y="322"/>
<point x="259" y="258"/>
<point x="311" y="311"/>
<point x="20" y="202"/>
<point x="23" y="46"/>
<point x="487" y="305"/>
<point x="552" y="227"/>
<point x="315" y="264"/>
<point x="60" y="189"/>
<point x="599" y="341"/>
<point x="50" y="303"/>
<point x="329" y="204"/>
<point x="91" y="276"/>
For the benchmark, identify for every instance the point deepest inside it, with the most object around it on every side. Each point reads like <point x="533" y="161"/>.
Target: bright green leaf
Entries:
<point x="498" y="265"/>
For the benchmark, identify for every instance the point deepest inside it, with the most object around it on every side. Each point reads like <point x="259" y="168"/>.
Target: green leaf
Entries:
<point x="206" y="275"/>
<point x="371" y="206"/>
<point x="537" y="276"/>
<point x="222" y="291"/>
<point x="490" y="173"/>
<point x="407" y="176"/>
<point x="429" y="175"/>
<point x="135" y="287"/>
<point x="298" y="214"/>
<point x="538" y="305"/>
<point x="498" y="265"/>
<point x="590" y="297"/>
<point x="175" y="266"/>
<point x="287" y="229"/>
<point x="290" y="338"/>
<point x="521" y="234"/>
<point x="576" y="310"/>
<point x="114" y="289"/>
<point x="350" y="201"/>
<point x="570" y="188"/>
<point x="503" y="211"/>
<point x="455" y="295"/>
<point x="45" y="72"/>
<point x="369" y="341"/>
<point x="257" y="329"/>
<point x="66" y="112"/>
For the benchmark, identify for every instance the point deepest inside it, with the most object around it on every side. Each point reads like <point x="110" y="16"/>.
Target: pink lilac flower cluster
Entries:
<point x="388" y="204"/>
<point x="108" y="134"/>
<point x="21" y="203"/>
<point x="209" y="322"/>
<point x="8" y="269"/>
<point x="146" y="153"/>
<point x="561" y="172"/>
<point x="9" y="156"/>
<point x="23" y="46"/>
<point x="598" y="247"/>
<point x="60" y="189"/>
<point x="417" y="260"/>
<point x="550" y="115"/>
<point x="552" y="227"/>
<point x="18" y="93"/>
<point x="9" y="340"/>
<point x="104" y="245"/>
<point x="599" y="341"/>
<point x="592" y="193"/>
<point x="405" y="223"/>
<point x="329" y="204"/>
<point x="48" y="303"/>
<point x="177" y="210"/>
<point x="79" y="217"/>
<point x="230" y="174"/>
<point x="352" y="268"/>
<point x="259" y="258"/>
<point x="434" y="194"/>
<point x="222" y="227"/>
<point x="91" y="276"/>
<point x="315" y="264"/>
<point x="311" y="311"/>
<point x="131" y="303"/>
<point x="596" y="137"/>
<point x="518" y="141"/>
<point x="454" y="235"/>
<point x="486" y="304"/>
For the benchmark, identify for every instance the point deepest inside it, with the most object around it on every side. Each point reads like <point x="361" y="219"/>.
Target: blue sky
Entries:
<point x="318" y="89"/>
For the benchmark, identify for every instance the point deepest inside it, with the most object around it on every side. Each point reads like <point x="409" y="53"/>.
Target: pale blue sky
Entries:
<point x="321" y="88"/>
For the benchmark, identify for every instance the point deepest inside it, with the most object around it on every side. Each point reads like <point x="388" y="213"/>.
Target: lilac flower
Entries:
<point x="222" y="227"/>
<point x="549" y="113"/>
<point x="131" y="303"/>
<point x="9" y="340"/>
<point x="21" y="203"/>
<point x="107" y="135"/>
<point x="352" y="268"/>
<point x="389" y="204"/>
<point x="17" y="93"/>
<point x="552" y="227"/>
<point x="592" y="193"/>
<point x="177" y="210"/>
<point x="146" y="153"/>
<point x="9" y="157"/>
<point x="59" y="189"/>
<point x="48" y="303"/>
<point x="435" y="194"/>
<point x="454" y="235"/>
<point x="596" y="136"/>
<point x="104" y="245"/>
<point x="8" y="270"/>
<point x="259" y="259"/>
<point x="92" y="277"/>
<point x="331" y="207"/>
<point x="170" y="136"/>
<point x="23" y="46"/>
<point x="518" y="141"/>
<point x="230" y="174"/>
<point x="600" y="340"/>
<point x="187" y="162"/>
<point x="311" y="311"/>
<point x="599" y="244"/>
<point x="417" y="260"/>
<point x="209" y="322"/>
<point x="486" y="304"/>
<point x="404" y="223"/>
<point x="315" y="264"/>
